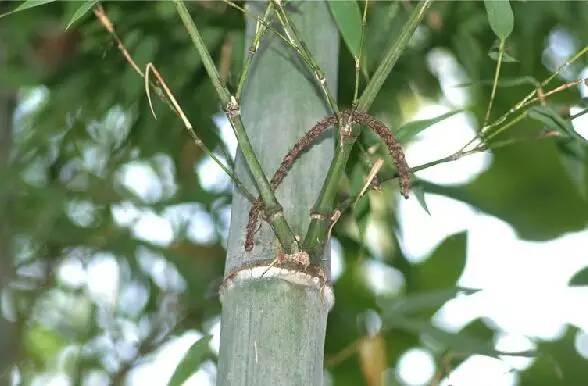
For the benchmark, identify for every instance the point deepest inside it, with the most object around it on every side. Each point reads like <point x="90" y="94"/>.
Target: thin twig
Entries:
<point x="107" y="24"/>
<point x="190" y="129"/>
<point x="370" y="177"/>
<point x="168" y="97"/>
<point x="260" y="28"/>
<point x="258" y="19"/>
<point x="304" y="53"/>
<point x="358" y="57"/>
<point x="354" y="117"/>
<point x="315" y="237"/>
<point x="495" y="83"/>
<point x="232" y="109"/>
<point x="524" y="102"/>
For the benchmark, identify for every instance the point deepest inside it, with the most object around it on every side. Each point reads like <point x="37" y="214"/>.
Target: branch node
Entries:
<point x="233" y="109"/>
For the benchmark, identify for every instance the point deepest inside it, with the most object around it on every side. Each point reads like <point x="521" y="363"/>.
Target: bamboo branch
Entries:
<point x="360" y="54"/>
<point x="392" y="55"/>
<point x="495" y="83"/>
<point x="260" y="29"/>
<point x="167" y="97"/>
<point x="304" y="53"/>
<point x="272" y="208"/>
<point x="317" y="230"/>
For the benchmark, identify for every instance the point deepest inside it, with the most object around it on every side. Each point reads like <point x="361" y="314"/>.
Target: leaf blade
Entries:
<point x="500" y="17"/>
<point x="27" y="4"/>
<point x="411" y="129"/>
<point x="195" y="355"/>
<point x="81" y="11"/>
<point x="347" y="16"/>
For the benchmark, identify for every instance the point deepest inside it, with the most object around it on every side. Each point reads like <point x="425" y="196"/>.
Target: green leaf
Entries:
<point x="419" y="193"/>
<point x="493" y="54"/>
<point x="500" y="17"/>
<point x="196" y="354"/>
<point x="573" y="154"/>
<point x="348" y="18"/>
<point x="81" y="11"/>
<point x="458" y="342"/>
<point x="443" y="268"/>
<point x="558" y="363"/>
<point x="423" y="301"/>
<point x="580" y="278"/>
<point x="411" y="129"/>
<point x="553" y="120"/>
<point x="26" y="5"/>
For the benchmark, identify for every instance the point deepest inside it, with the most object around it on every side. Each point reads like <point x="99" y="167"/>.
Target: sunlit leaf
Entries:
<point x="558" y="363"/>
<point x="458" y="342"/>
<point x="196" y="354"/>
<point x="411" y="304"/>
<point x="81" y="11"/>
<point x="500" y="17"/>
<point x="411" y="129"/>
<point x="348" y="18"/>
<point x="442" y="269"/>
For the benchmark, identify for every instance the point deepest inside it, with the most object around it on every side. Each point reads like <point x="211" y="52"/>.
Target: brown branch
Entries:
<point x="354" y="117"/>
<point x="303" y="143"/>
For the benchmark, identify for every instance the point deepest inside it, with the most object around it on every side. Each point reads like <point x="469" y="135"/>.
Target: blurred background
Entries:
<point x="113" y="224"/>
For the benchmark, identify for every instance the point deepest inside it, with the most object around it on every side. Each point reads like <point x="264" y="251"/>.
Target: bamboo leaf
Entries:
<point x="26" y="5"/>
<point x="422" y="301"/>
<point x="459" y="342"/>
<point x="580" y="278"/>
<point x="411" y="129"/>
<point x="392" y="55"/>
<point x="500" y="17"/>
<point x="81" y="11"/>
<point x="419" y="193"/>
<point x="553" y="120"/>
<point x="191" y="361"/>
<point x="494" y="54"/>
<point x="348" y="18"/>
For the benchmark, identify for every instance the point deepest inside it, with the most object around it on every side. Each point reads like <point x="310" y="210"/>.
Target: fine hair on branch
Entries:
<point x="351" y="116"/>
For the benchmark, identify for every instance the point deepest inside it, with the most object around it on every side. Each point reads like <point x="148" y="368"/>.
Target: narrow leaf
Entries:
<point x="580" y="278"/>
<point x="81" y="11"/>
<point x="458" y="342"/>
<point x="196" y="354"/>
<point x="500" y="17"/>
<point x="553" y="120"/>
<point x="26" y="5"/>
<point x="411" y="129"/>
<point x="348" y="18"/>
<point x="422" y="301"/>
<point x="419" y="193"/>
<point x="494" y="54"/>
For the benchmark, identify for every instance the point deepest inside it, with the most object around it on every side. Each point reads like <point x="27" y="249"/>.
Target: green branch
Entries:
<point x="392" y="55"/>
<point x="260" y="27"/>
<point x="304" y="53"/>
<point x="273" y="210"/>
<point x="318" y="229"/>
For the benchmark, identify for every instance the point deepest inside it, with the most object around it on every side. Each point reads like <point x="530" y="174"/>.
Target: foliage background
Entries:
<point x="90" y="291"/>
